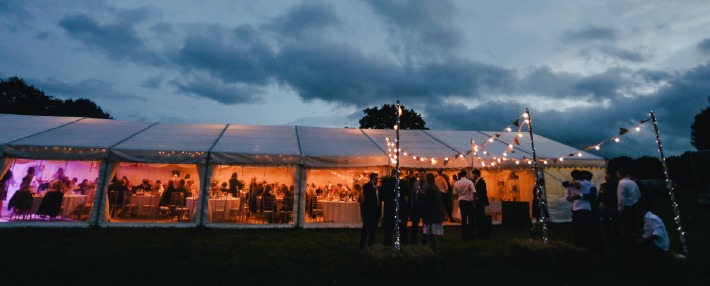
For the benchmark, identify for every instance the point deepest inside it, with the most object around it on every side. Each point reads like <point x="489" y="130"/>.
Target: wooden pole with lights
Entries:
<point x="539" y="179"/>
<point x="669" y="184"/>
<point x="396" y="180"/>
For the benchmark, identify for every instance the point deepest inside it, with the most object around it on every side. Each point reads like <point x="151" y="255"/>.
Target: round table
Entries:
<point x="338" y="211"/>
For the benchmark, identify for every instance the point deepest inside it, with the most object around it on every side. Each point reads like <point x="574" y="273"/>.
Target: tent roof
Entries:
<point x="72" y="138"/>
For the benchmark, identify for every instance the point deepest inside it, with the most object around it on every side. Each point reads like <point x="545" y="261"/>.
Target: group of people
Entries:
<point x="618" y="212"/>
<point x="423" y="198"/>
<point x="51" y="189"/>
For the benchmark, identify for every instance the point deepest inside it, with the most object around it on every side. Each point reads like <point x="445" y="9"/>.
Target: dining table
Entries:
<point x="341" y="211"/>
<point x="69" y="203"/>
<point x="145" y="205"/>
<point x="232" y="203"/>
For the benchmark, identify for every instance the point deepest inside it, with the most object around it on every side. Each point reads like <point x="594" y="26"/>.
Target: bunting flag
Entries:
<point x="516" y="122"/>
<point x="517" y="142"/>
<point x="623" y="131"/>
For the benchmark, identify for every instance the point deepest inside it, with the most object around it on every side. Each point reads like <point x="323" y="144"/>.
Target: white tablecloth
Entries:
<point x="145" y="205"/>
<point x="69" y="202"/>
<point x="341" y="211"/>
<point x="232" y="203"/>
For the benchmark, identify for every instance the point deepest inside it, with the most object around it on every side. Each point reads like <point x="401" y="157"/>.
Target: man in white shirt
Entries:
<point x="655" y="236"/>
<point x="465" y="190"/>
<point x="443" y="185"/>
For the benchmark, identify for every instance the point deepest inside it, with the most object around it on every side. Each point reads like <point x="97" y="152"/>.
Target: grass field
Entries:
<point x="141" y="256"/>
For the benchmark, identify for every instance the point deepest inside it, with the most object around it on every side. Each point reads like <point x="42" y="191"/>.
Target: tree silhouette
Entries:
<point x="17" y="97"/>
<point x="386" y="118"/>
<point x="700" y="129"/>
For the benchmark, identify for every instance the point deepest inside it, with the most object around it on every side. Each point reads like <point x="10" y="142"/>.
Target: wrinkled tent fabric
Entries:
<point x="301" y="147"/>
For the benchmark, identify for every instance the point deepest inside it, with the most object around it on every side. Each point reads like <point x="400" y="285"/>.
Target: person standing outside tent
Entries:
<point x="417" y="207"/>
<point x="464" y="189"/>
<point x="628" y="195"/>
<point x="433" y="213"/>
<point x="371" y="212"/>
<point x="480" y="203"/>
<point x="608" y="206"/>
<point x="387" y="194"/>
<point x="442" y="182"/>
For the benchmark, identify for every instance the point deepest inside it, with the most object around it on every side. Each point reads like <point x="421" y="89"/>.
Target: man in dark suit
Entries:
<point x="371" y="211"/>
<point x="480" y="203"/>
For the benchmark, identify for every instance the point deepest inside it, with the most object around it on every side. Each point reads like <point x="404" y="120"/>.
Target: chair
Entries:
<point x="83" y="211"/>
<point x="51" y="204"/>
<point x="220" y="210"/>
<point x="129" y="206"/>
<point x="149" y="208"/>
<point x="21" y="203"/>
<point x="244" y="210"/>
<point x="177" y="203"/>
<point x="268" y="205"/>
<point x="235" y="212"/>
<point x="287" y="210"/>
<point x="315" y="210"/>
<point x="113" y="202"/>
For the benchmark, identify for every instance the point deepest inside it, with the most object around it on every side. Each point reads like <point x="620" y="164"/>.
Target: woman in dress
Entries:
<point x="433" y="215"/>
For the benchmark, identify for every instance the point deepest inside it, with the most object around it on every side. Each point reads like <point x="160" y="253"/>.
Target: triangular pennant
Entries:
<point x="645" y="120"/>
<point x="497" y="135"/>
<point x="570" y="154"/>
<point x="517" y="142"/>
<point x="446" y="162"/>
<point x="554" y="160"/>
<point x="623" y="131"/>
<point x="516" y="122"/>
<point x="484" y="144"/>
<point x="587" y="148"/>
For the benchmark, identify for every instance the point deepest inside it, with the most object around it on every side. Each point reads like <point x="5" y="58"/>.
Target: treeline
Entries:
<point x="17" y="97"/>
<point x="684" y="170"/>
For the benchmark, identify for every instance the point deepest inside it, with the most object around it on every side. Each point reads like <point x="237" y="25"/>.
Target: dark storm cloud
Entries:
<point x="238" y="56"/>
<point x="90" y="89"/>
<point x="342" y="74"/>
<point x="590" y="33"/>
<point x="674" y="106"/>
<point x="153" y="82"/>
<point x="704" y="46"/>
<point x="424" y="26"/>
<point x="304" y="19"/>
<point x="117" y="40"/>
<point x="15" y="11"/>
<point x="218" y="91"/>
<point x="624" y="55"/>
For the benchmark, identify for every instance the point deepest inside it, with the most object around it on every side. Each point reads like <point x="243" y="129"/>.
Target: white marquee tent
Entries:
<point x="104" y="145"/>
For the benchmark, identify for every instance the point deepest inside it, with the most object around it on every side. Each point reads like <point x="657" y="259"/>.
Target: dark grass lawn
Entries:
<point x="141" y="256"/>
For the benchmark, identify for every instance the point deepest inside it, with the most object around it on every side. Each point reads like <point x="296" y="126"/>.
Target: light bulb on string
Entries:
<point x="616" y="139"/>
<point x="638" y="128"/>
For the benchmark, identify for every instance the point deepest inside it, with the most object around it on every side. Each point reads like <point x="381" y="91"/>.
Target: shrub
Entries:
<point x="556" y="254"/>
<point x="384" y="263"/>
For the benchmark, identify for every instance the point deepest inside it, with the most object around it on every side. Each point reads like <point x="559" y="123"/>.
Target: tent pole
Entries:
<point x="539" y="179"/>
<point x="669" y="184"/>
<point x="396" y="180"/>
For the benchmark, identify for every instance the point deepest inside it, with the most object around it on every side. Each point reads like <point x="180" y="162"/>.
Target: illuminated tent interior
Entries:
<point x="281" y="156"/>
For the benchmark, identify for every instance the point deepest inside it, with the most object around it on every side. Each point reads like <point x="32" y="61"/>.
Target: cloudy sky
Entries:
<point x="583" y="68"/>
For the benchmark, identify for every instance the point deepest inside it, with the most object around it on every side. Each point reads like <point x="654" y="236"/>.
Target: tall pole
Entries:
<point x="396" y="180"/>
<point x="539" y="179"/>
<point x="669" y="184"/>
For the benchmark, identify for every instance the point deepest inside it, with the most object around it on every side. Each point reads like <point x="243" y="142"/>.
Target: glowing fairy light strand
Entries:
<point x="676" y="212"/>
